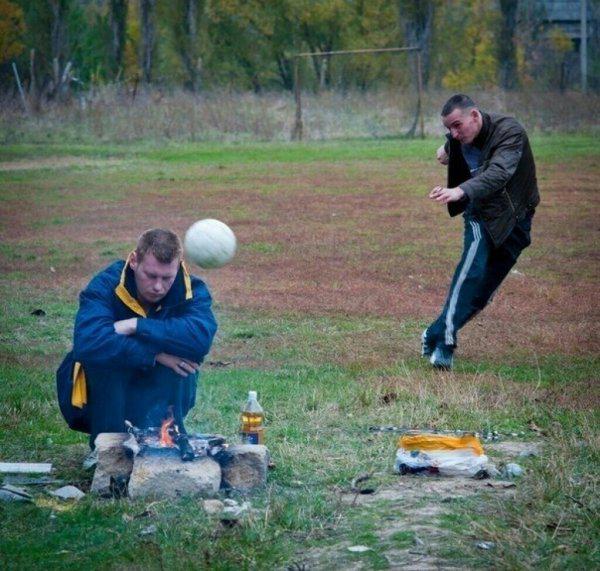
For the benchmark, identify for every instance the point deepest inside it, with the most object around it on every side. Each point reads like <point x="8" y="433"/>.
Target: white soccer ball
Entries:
<point x="209" y="243"/>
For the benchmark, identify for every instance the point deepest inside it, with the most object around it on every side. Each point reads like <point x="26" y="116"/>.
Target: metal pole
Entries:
<point x="297" y="133"/>
<point x="583" y="45"/>
<point x="353" y="52"/>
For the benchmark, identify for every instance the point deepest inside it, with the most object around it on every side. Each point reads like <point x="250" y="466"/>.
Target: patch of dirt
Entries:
<point x="55" y="163"/>
<point x="512" y="449"/>
<point x="349" y="241"/>
<point x="412" y="508"/>
<point x="410" y="490"/>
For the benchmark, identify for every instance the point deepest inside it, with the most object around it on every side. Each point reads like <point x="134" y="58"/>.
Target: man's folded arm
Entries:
<point x="189" y="336"/>
<point x="95" y="341"/>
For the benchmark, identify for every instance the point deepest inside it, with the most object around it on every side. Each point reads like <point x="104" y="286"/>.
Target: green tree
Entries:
<point x="255" y="37"/>
<point x="465" y="44"/>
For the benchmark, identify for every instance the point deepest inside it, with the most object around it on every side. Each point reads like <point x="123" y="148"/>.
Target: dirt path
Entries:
<point x="408" y="519"/>
<point x="55" y="163"/>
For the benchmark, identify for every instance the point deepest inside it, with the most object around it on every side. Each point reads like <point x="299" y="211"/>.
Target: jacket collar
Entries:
<point x="180" y="291"/>
<point x="481" y="138"/>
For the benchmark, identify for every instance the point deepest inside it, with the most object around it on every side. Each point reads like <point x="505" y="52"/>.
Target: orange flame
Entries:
<point x="165" y="437"/>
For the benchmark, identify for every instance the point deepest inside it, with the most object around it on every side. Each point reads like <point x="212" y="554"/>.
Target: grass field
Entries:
<point x="342" y="261"/>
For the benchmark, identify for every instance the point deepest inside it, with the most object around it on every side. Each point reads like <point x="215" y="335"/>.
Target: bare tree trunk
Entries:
<point x="58" y="31"/>
<point x="507" y="55"/>
<point x="417" y="18"/>
<point x="186" y="40"/>
<point x="286" y="75"/>
<point x="190" y="51"/>
<point x="147" y="10"/>
<point x="118" y="18"/>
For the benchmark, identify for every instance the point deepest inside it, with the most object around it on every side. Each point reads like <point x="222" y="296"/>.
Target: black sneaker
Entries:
<point x="90" y="460"/>
<point x="442" y="358"/>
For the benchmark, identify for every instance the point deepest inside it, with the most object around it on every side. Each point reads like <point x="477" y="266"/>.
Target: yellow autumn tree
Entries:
<point x="12" y="27"/>
<point x="465" y="46"/>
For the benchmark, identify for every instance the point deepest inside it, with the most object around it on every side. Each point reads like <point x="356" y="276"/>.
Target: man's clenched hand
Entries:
<point x="445" y="195"/>
<point x="183" y="367"/>
<point x="126" y="326"/>
<point x="442" y="155"/>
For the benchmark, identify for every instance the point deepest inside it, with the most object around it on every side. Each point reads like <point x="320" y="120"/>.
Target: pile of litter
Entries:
<point x="431" y="453"/>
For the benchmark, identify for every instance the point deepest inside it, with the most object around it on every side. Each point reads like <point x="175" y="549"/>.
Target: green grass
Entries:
<point x="546" y="148"/>
<point x="323" y="378"/>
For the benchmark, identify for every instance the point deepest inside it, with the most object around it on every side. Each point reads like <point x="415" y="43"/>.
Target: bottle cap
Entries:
<point x="252" y="395"/>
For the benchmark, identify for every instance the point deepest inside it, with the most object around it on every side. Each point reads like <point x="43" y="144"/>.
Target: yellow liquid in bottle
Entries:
<point x="252" y="430"/>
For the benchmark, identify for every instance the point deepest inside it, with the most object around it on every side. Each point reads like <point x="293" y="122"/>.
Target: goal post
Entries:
<point x="297" y="132"/>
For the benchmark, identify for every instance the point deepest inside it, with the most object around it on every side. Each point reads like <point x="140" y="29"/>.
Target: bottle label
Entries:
<point x="250" y="437"/>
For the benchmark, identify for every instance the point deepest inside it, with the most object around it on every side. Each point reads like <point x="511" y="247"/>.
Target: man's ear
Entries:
<point x="133" y="260"/>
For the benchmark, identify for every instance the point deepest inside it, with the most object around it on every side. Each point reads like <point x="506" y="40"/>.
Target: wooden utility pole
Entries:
<point x="298" y="127"/>
<point x="420" y="95"/>
<point x="583" y="45"/>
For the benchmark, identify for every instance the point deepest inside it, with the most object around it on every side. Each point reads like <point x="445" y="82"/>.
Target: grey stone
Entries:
<point x="492" y="471"/>
<point x="115" y="452"/>
<point x="68" y="493"/>
<point x="163" y="475"/>
<point x="10" y="493"/>
<point x="236" y="512"/>
<point x="244" y="466"/>
<point x="212" y="507"/>
<point x="513" y="470"/>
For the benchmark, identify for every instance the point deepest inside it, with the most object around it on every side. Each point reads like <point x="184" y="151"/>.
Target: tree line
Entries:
<point x="248" y="44"/>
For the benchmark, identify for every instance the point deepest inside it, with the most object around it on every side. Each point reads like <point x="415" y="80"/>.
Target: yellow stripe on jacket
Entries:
<point x="79" y="392"/>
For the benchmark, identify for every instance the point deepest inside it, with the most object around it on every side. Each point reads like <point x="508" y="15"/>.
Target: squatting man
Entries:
<point x="492" y="182"/>
<point x="141" y="332"/>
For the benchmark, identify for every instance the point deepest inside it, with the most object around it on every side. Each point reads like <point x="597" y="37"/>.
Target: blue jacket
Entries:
<point x="182" y="324"/>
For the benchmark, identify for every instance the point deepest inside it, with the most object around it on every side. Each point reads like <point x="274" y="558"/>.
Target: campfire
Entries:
<point x="169" y="438"/>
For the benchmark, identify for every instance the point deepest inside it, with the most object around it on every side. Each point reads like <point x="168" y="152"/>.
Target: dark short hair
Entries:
<point x="458" y="101"/>
<point x="163" y="244"/>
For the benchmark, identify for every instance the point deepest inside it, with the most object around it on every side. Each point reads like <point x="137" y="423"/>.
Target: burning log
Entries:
<point x="169" y="436"/>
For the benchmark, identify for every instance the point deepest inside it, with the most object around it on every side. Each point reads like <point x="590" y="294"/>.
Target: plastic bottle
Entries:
<point x="252" y="430"/>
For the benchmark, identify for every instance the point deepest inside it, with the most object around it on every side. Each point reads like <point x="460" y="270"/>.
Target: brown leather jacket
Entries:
<point x="505" y="189"/>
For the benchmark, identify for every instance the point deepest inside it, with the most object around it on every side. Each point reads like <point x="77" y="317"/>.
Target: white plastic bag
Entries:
<point x="443" y="462"/>
<point x="423" y="453"/>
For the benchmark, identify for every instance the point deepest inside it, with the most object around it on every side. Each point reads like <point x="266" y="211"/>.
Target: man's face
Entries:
<point x="153" y="279"/>
<point x="464" y="125"/>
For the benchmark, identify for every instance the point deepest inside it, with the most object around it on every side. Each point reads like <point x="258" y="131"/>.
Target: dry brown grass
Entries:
<point x="111" y="114"/>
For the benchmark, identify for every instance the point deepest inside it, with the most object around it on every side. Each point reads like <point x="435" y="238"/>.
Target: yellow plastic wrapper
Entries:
<point x="430" y="441"/>
<point x="443" y="454"/>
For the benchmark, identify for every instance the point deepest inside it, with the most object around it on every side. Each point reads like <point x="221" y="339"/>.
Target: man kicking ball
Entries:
<point x="491" y="180"/>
